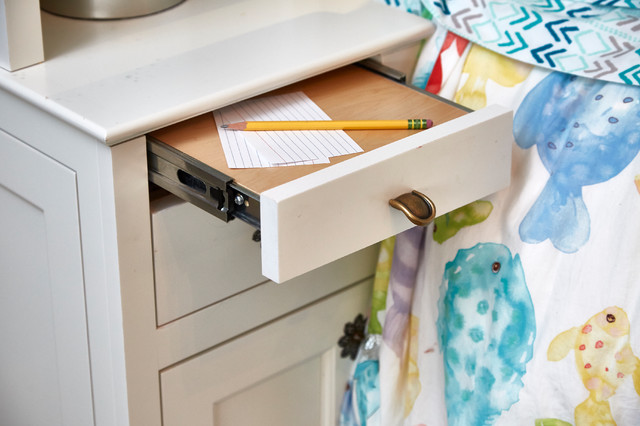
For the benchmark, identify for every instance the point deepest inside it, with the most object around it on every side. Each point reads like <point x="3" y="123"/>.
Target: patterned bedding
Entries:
<point x="524" y="307"/>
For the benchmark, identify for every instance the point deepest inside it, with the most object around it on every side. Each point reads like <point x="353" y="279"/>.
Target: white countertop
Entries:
<point x="119" y="79"/>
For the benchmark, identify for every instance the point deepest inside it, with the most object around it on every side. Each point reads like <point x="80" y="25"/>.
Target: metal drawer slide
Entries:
<point x="200" y="184"/>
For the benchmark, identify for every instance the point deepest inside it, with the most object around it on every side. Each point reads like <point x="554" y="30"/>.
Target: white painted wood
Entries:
<point x="20" y="34"/>
<point x="92" y="163"/>
<point x="44" y="356"/>
<point x="88" y="66"/>
<point x="345" y="207"/>
<point x="120" y="79"/>
<point x="135" y="275"/>
<point x="126" y="349"/>
<point x="110" y="81"/>
<point x="246" y="310"/>
<point x="283" y="360"/>
<point x="288" y="398"/>
<point x="199" y="259"/>
<point x="335" y="373"/>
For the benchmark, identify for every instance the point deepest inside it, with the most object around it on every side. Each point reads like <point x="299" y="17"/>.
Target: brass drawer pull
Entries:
<point x="418" y="208"/>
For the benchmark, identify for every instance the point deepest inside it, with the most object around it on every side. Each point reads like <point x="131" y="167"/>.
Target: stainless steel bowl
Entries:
<point x="106" y="9"/>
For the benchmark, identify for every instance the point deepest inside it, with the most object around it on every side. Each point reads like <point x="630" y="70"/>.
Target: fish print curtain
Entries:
<point x="523" y="307"/>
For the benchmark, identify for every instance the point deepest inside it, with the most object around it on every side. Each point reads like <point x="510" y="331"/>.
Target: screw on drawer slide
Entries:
<point x="200" y="185"/>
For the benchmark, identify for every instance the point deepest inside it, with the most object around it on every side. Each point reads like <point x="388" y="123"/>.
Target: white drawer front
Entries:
<point x="323" y="216"/>
<point x="260" y="304"/>
<point x="199" y="259"/>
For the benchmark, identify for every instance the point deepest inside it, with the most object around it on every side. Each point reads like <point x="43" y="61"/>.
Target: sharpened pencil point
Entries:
<point x="241" y="125"/>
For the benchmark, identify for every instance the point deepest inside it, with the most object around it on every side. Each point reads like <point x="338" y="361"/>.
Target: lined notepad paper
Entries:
<point x="279" y="148"/>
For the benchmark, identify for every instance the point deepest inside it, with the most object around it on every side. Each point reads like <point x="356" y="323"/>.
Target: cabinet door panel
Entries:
<point x="44" y="359"/>
<point x="287" y="372"/>
<point x="291" y="397"/>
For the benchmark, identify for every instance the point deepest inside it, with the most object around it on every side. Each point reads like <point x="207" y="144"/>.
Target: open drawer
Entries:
<point x="312" y="215"/>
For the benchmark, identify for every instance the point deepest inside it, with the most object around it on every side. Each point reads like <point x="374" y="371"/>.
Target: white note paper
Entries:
<point x="279" y="148"/>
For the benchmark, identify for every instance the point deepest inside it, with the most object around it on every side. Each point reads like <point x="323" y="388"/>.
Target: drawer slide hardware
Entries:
<point x="200" y="184"/>
<point x="418" y="208"/>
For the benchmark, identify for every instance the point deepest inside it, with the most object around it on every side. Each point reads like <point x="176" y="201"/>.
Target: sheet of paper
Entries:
<point x="279" y="148"/>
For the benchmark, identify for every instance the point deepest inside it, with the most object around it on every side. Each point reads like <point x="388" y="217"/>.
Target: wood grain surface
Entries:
<point x="349" y="93"/>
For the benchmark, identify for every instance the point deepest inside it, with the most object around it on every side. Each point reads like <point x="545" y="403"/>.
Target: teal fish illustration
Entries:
<point x="486" y="327"/>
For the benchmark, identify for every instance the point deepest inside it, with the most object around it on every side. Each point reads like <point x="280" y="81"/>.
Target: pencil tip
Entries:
<point x="242" y="125"/>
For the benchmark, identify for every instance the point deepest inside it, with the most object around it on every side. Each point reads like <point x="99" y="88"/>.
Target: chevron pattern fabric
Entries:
<point x="598" y="39"/>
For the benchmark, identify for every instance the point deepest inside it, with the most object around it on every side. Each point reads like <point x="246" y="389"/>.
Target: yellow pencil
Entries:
<point x="411" y="124"/>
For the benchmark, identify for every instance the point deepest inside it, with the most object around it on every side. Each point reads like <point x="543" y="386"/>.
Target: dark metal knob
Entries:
<point x="354" y="334"/>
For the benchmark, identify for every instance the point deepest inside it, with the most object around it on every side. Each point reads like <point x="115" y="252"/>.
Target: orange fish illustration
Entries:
<point x="604" y="359"/>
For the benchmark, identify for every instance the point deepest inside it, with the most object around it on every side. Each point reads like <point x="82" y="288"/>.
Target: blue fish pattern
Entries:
<point x="366" y="383"/>
<point x="586" y="132"/>
<point x="361" y="401"/>
<point x="486" y="329"/>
